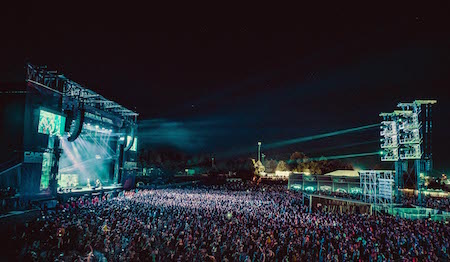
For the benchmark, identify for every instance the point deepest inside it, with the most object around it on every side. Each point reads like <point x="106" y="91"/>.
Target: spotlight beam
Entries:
<point x="344" y="146"/>
<point x="344" y="156"/>
<point x="310" y="138"/>
<point x="105" y="150"/>
<point x="83" y="164"/>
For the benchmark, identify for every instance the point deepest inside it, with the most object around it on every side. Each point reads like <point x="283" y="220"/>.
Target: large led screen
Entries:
<point x="51" y="124"/>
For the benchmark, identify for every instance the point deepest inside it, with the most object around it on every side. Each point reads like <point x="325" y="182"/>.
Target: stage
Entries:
<point x="72" y="135"/>
<point x="66" y="193"/>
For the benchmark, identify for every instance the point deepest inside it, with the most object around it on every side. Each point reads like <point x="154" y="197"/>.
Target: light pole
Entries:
<point x="259" y="151"/>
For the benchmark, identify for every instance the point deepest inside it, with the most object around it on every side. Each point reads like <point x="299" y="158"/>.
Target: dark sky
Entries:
<point x="218" y="83"/>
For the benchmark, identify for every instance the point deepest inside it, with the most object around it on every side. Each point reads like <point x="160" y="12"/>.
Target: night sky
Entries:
<point x="217" y="85"/>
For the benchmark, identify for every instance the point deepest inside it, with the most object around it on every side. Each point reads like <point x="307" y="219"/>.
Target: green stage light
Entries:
<point x="344" y="156"/>
<point x="343" y="146"/>
<point x="310" y="138"/>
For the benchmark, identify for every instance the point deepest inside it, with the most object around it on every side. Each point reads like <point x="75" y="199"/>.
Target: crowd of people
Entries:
<point x="234" y="222"/>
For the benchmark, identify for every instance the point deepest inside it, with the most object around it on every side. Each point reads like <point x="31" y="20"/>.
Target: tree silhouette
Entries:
<point x="282" y="166"/>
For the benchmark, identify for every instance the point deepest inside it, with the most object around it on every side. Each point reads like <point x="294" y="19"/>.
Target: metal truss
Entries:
<point x="389" y="137"/>
<point x="403" y="136"/>
<point x="73" y="91"/>
<point x="377" y="186"/>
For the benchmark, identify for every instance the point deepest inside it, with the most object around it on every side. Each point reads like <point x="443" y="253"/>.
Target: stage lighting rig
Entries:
<point x="406" y="135"/>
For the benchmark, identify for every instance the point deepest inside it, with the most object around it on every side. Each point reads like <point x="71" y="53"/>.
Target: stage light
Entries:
<point x="343" y="146"/>
<point x="97" y="127"/>
<point x="90" y="156"/>
<point x="344" y="156"/>
<point x="320" y="136"/>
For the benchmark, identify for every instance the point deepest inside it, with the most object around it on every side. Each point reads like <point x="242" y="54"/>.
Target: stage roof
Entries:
<point x="343" y="173"/>
<point x="60" y="84"/>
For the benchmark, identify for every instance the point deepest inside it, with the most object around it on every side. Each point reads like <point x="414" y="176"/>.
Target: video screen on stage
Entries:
<point x="51" y="124"/>
<point x="46" y="170"/>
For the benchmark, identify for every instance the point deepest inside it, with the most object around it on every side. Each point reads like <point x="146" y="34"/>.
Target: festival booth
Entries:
<point x="343" y="181"/>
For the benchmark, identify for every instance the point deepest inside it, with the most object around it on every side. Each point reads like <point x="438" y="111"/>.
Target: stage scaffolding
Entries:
<point x="377" y="186"/>
<point x="406" y="136"/>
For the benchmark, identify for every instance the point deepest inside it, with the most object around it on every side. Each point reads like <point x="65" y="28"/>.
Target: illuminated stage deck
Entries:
<point x="90" y="191"/>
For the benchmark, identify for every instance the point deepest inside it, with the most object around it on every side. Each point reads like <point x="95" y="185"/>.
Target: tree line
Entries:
<point x="299" y="162"/>
<point x="177" y="161"/>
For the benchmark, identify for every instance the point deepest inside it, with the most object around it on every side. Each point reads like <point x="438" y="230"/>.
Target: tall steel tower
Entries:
<point x="406" y="136"/>
<point x="259" y="151"/>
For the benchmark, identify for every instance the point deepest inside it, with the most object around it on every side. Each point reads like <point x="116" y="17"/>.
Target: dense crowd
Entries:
<point x="236" y="222"/>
